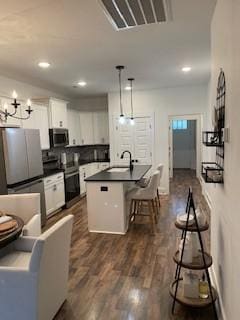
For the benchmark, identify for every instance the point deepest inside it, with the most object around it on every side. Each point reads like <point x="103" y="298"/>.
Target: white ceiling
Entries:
<point x="78" y="40"/>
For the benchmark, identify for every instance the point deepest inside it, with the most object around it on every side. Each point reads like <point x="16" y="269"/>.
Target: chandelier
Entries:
<point x="5" y="114"/>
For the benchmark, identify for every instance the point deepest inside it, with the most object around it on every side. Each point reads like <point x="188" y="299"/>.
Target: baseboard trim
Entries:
<point x="219" y="304"/>
<point x="205" y="193"/>
<point x="109" y="232"/>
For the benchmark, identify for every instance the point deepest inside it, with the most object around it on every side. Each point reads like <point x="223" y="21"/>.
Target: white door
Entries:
<point x="142" y="140"/>
<point x="138" y="139"/>
<point x="123" y="141"/>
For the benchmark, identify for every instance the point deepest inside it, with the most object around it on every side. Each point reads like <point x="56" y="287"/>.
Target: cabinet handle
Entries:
<point x="74" y="141"/>
<point x="82" y="141"/>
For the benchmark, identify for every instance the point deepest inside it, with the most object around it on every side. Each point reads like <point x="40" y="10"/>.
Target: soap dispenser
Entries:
<point x="203" y="288"/>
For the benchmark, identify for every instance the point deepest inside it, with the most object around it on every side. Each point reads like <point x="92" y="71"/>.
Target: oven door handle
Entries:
<point x="71" y="175"/>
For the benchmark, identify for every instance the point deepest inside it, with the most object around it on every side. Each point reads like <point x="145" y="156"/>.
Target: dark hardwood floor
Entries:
<point x="128" y="277"/>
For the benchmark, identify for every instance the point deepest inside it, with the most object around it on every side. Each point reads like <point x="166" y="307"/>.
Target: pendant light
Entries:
<point x="121" y="117"/>
<point x="132" y="122"/>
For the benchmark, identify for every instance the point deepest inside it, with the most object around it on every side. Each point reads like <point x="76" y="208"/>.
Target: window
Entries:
<point x="179" y="124"/>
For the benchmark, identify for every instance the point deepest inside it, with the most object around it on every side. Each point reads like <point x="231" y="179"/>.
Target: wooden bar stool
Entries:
<point x="147" y="195"/>
<point x="160" y="169"/>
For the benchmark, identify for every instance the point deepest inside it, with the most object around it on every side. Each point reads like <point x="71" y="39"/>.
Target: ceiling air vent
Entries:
<point x="125" y="14"/>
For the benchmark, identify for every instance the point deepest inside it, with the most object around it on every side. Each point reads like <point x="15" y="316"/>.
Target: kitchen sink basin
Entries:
<point x="119" y="170"/>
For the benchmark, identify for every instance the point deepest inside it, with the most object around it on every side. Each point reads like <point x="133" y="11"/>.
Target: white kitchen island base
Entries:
<point x="108" y="208"/>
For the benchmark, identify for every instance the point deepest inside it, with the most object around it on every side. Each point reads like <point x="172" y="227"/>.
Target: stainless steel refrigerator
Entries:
<point x="21" y="168"/>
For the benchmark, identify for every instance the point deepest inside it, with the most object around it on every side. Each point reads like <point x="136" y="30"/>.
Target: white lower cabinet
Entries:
<point x="88" y="170"/>
<point x="82" y="176"/>
<point x="104" y="165"/>
<point x="54" y="192"/>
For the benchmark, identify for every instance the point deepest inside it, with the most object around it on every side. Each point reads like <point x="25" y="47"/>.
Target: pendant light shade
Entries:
<point x="132" y="122"/>
<point x="121" y="118"/>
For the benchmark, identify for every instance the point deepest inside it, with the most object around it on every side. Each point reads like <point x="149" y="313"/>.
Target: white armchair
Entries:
<point x="27" y="207"/>
<point x="34" y="274"/>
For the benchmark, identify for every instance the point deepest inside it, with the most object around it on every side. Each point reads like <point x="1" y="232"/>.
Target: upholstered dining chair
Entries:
<point x="34" y="274"/>
<point x="27" y="207"/>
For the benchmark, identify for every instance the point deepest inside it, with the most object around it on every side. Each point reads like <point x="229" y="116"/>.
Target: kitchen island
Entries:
<point x="107" y="205"/>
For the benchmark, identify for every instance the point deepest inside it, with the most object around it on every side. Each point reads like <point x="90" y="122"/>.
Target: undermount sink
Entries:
<point x="119" y="170"/>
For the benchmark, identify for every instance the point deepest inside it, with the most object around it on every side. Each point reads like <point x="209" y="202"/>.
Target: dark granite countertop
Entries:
<point x="82" y="162"/>
<point x="135" y="175"/>
<point x="50" y="172"/>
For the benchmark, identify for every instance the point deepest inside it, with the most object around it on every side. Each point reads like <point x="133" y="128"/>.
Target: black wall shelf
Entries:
<point x="212" y="139"/>
<point x="212" y="172"/>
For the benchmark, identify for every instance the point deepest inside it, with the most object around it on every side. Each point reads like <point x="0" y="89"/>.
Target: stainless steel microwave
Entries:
<point x="58" y="137"/>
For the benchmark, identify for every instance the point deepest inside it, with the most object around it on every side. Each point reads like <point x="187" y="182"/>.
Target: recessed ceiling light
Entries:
<point x="186" y="69"/>
<point x="82" y="83"/>
<point x="44" y="64"/>
<point x="128" y="88"/>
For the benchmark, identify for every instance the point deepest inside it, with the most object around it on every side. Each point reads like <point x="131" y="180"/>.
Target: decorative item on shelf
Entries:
<point x="196" y="249"/>
<point x="186" y="290"/>
<point x="182" y="219"/>
<point x="203" y="288"/>
<point x="187" y="254"/>
<point x="201" y="217"/>
<point x="5" y="114"/>
<point x="190" y="285"/>
<point x="212" y="172"/>
<point x="121" y="117"/>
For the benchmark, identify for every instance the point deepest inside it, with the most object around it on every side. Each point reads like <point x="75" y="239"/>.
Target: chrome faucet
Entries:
<point x="130" y="162"/>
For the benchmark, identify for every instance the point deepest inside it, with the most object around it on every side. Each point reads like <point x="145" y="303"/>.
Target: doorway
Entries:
<point x="185" y="151"/>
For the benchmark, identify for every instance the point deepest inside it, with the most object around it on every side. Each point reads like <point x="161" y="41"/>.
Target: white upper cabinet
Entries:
<point x="86" y="127"/>
<point x="11" y="109"/>
<point x="100" y="127"/>
<point x="57" y="113"/>
<point x="73" y="127"/>
<point x="38" y="120"/>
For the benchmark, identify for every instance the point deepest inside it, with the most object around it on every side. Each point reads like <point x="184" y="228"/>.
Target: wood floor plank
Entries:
<point x="127" y="277"/>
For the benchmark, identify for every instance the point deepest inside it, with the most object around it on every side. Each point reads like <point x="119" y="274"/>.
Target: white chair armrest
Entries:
<point x="33" y="227"/>
<point x="25" y="244"/>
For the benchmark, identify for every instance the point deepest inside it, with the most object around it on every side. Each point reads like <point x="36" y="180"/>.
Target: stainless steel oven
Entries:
<point x="58" y="137"/>
<point x="72" y="187"/>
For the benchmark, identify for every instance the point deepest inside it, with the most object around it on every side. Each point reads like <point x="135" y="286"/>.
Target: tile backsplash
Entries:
<point x="86" y="153"/>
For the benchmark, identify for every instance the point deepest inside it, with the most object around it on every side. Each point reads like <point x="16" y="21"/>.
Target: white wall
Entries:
<point x="163" y="103"/>
<point x="224" y="199"/>
<point x="184" y="147"/>
<point x="25" y="90"/>
<point x="90" y="104"/>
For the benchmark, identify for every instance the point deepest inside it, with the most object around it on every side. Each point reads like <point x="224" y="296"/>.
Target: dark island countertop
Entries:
<point x="135" y="175"/>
